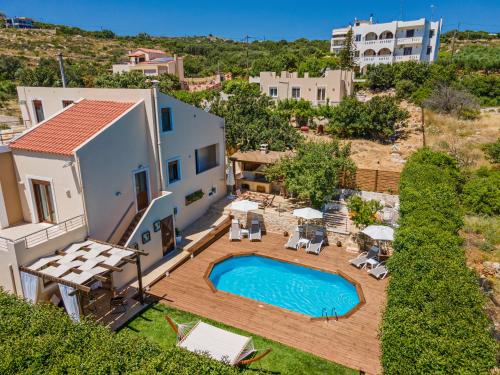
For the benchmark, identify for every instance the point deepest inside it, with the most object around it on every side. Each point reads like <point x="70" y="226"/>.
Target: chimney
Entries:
<point x="371" y="18"/>
<point x="264" y="148"/>
<point x="306" y="74"/>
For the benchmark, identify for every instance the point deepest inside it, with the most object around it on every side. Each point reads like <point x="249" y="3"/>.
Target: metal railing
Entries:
<point x="47" y="234"/>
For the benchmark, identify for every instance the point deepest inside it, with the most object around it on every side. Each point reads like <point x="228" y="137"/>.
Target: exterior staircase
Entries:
<point x="336" y="221"/>
<point x="131" y="228"/>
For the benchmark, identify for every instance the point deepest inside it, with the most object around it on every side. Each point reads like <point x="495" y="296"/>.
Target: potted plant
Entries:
<point x="178" y="236"/>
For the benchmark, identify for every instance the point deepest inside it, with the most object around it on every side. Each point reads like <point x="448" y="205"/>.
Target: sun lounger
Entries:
<point x="235" y="230"/>
<point x="361" y="259"/>
<point x="255" y="232"/>
<point x="316" y="243"/>
<point x="379" y="272"/>
<point x="293" y="241"/>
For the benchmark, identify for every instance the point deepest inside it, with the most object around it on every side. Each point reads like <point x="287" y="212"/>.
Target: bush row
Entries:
<point x="41" y="339"/>
<point x="434" y="320"/>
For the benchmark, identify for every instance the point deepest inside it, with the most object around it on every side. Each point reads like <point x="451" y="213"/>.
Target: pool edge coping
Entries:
<point x="359" y="289"/>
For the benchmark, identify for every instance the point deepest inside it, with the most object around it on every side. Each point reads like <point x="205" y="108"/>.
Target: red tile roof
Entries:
<point x="149" y="50"/>
<point x="71" y="128"/>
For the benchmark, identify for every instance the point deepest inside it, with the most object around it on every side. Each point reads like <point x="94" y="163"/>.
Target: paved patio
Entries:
<point x="352" y="342"/>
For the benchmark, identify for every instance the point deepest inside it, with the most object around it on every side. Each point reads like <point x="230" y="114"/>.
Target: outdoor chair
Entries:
<point x="255" y="232"/>
<point x="293" y="241"/>
<point x="316" y="243"/>
<point x="379" y="272"/>
<point x="235" y="230"/>
<point x="361" y="260"/>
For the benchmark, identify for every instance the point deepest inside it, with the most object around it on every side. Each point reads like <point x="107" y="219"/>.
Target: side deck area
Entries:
<point x="352" y="342"/>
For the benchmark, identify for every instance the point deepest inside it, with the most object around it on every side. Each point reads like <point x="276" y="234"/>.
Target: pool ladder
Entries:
<point x="324" y="314"/>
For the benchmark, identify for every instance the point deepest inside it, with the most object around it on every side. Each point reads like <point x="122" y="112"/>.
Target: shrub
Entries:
<point x="492" y="151"/>
<point x="446" y="99"/>
<point x="481" y="194"/>
<point x="41" y="339"/>
<point x="363" y="213"/>
<point x="434" y="321"/>
<point x="375" y="119"/>
<point x="381" y="77"/>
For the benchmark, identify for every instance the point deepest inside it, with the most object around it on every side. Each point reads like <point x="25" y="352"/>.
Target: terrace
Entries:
<point x="352" y="342"/>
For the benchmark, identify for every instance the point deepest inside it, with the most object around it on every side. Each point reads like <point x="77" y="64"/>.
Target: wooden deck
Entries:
<point x="352" y="342"/>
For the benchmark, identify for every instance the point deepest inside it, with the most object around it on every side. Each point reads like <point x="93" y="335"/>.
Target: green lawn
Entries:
<point x="282" y="360"/>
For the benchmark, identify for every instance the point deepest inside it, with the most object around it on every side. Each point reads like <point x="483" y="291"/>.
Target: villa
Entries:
<point x="388" y="42"/>
<point x="152" y="62"/>
<point x="330" y="88"/>
<point x="121" y="166"/>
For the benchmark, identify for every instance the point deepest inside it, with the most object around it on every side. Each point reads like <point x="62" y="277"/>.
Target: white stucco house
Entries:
<point x="123" y="166"/>
<point x="389" y="42"/>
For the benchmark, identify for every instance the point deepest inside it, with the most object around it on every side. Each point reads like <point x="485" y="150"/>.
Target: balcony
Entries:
<point x="376" y="59"/>
<point x="407" y="58"/>
<point x="383" y="42"/>
<point x="409" y="41"/>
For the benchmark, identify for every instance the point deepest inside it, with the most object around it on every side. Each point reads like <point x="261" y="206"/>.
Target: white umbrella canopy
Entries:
<point x="379" y="232"/>
<point x="308" y="213"/>
<point x="244" y="205"/>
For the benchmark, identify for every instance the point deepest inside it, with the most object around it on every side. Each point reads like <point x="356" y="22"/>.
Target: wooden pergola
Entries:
<point x="89" y="261"/>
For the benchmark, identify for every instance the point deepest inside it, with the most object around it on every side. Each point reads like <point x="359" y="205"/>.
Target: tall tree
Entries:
<point x="314" y="171"/>
<point x="346" y="54"/>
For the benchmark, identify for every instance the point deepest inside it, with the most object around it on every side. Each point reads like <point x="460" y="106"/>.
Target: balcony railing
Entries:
<point x="412" y="40"/>
<point x="378" y="41"/>
<point x="46" y="234"/>
<point x="376" y="59"/>
<point x="407" y="58"/>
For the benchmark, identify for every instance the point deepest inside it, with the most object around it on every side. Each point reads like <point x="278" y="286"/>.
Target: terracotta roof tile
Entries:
<point x="71" y="128"/>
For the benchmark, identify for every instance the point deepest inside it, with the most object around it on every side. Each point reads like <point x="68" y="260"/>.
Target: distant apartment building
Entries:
<point x="327" y="89"/>
<point x="152" y="62"/>
<point x="124" y="166"/>
<point x="20" y="23"/>
<point x="389" y="42"/>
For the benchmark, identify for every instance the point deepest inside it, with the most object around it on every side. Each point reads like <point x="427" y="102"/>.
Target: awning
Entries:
<point x="379" y="232"/>
<point x="219" y="344"/>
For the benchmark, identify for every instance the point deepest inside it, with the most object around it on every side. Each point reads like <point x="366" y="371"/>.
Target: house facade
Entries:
<point x="20" y="23"/>
<point x="389" y="42"/>
<point x="152" y="62"/>
<point x="328" y="89"/>
<point x="123" y="166"/>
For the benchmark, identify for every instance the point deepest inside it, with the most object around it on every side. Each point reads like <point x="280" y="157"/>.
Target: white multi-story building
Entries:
<point x="396" y="41"/>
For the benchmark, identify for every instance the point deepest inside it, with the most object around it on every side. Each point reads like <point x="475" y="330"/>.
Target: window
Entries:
<point x="174" y="170"/>
<point x="273" y="92"/>
<point x="321" y="94"/>
<point x="356" y="53"/>
<point x="431" y="34"/>
<point x="358" y="38"/>
<point x="37" y="105"/>
<point x="296" y="92"/>
<point x="206" y="158"/>
<point x="429" y="50"/>
<point x="410" y="33"/>
<point x="166" y="120"/>
<point x="407" y="51"/>
<point x="66" y="103"/>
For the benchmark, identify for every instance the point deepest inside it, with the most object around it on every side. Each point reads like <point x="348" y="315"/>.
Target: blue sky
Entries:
<point x="268" y="19"/>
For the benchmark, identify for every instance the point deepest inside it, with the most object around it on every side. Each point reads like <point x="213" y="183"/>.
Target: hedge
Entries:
<point x="434" y="320"/>
<point x="41" y="339"/>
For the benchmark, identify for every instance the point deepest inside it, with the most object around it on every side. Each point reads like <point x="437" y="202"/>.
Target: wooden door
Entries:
<point x="167" y="234"/>
<point x="141" y="190"/>
<point x="43" y="201"/>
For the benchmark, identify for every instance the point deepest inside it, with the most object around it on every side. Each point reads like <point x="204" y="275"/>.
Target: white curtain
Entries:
<point x="31" y="285"/>
<point x="70" y="302"/>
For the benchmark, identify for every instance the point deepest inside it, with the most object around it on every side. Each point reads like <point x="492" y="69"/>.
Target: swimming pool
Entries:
<point x="287" y="285"/>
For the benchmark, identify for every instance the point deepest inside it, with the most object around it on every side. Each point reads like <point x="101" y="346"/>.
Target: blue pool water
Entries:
<point x="290" y="286"/>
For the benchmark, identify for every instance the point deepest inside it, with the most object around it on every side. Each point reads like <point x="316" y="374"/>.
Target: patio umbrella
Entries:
<point x="244" y="206"/>
<point x="308" y="213"/>
<point x="230" y="181"/>
<point x="379" y="232"/>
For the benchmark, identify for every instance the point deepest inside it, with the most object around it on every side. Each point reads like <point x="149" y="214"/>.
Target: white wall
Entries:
<point x="107" y="163"/>
<point x="64" y="181"/>
<point x="193" y="128"/>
